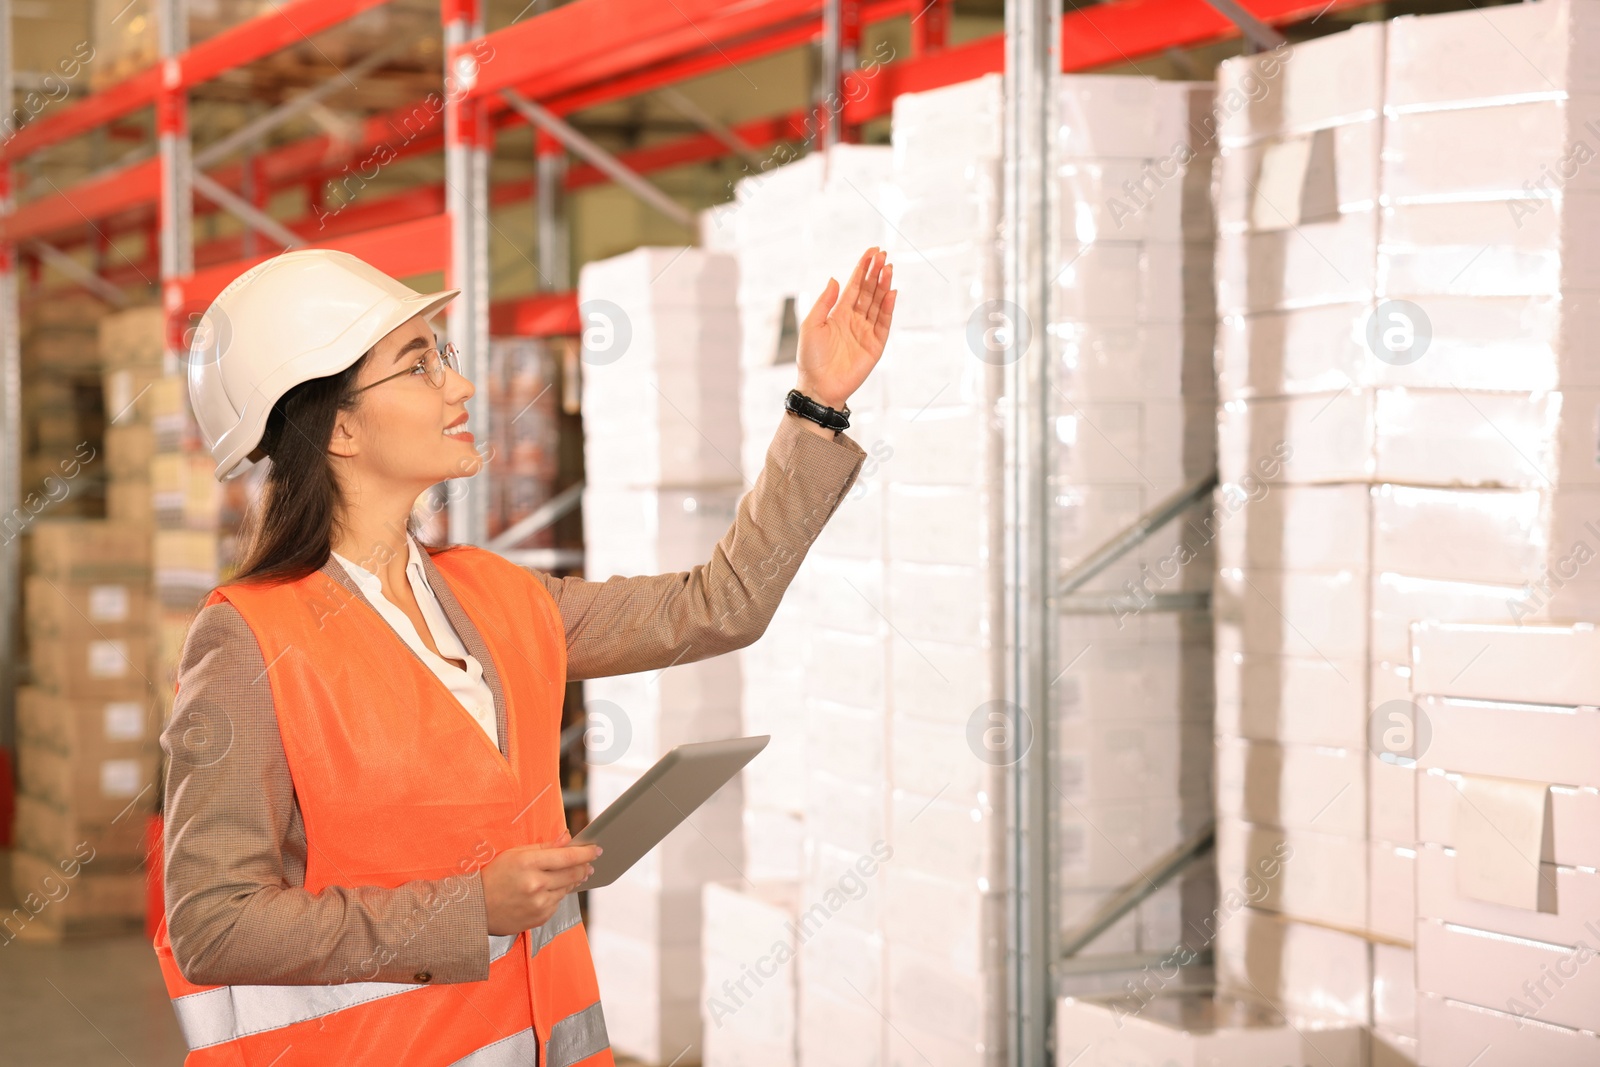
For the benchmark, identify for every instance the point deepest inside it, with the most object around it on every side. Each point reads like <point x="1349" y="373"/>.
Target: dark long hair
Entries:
<point x="287" y="533"/>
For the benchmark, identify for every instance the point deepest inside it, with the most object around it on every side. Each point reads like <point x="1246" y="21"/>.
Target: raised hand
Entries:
<point x="843" y="336"/>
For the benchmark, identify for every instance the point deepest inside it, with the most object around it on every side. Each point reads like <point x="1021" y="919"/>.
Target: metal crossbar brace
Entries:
<point x="265" y="123"/>
<point x="1085" y="604"/>
<point x="50" y="254"/>
<point x="245" y="211"/>
<point x="580" y="145"/>
<point x="1139" y="888"/>
<point x="543" y="516"/>
<point x="720" y="130"/>
<point x="1136" y="534"/>
<point x="1255" y="31"/>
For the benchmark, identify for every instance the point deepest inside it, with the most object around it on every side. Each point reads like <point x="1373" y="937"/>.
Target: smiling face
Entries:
<point x="405" y="433"/>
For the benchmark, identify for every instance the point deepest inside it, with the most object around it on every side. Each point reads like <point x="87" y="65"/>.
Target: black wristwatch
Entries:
<point x="822" y="414"/>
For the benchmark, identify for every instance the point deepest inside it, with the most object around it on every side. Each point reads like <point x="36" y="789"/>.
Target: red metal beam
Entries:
<point x="408" y="248"/>
<point x="1107" y="34"/>
<point x="1111" y="32"/>
<point x="286" y="24"/>
<point x="605" y="38"/>
<point x="73" y="208"/>
<point x="537" y="315"/>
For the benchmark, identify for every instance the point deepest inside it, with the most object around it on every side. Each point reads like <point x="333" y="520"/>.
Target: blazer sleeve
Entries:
<point x="234" y="842"/>
<point x="625" y="625"/>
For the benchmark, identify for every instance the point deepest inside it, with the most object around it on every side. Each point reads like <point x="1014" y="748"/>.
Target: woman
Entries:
<point x="366" y="853"/>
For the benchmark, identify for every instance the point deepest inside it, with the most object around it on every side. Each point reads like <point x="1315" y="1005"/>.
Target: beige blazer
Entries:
<point x="235" y="844"/>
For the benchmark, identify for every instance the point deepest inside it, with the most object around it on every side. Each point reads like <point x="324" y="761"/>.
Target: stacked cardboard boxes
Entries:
<point x="1404" y="435"/>
<point x="1507" y="897"/>
<point x="1134" y="417"/>
<point x="1307" y="833"/>
<point x="63" y="418"/>
<point x="661" y="430"/>
<point x="791" y="228"/>
<point x="934" y="473"/>
<point x="86" y="752"/>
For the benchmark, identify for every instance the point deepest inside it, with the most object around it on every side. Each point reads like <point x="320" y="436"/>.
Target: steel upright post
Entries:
<point x="1033" y="35"/>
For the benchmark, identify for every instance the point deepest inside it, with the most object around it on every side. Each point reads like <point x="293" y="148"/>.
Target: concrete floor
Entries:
<point x="92" y="1004"/>
<point x="85" y="1004"/>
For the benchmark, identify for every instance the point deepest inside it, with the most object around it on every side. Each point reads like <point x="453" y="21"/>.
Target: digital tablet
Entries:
<point x="663" y="797"/>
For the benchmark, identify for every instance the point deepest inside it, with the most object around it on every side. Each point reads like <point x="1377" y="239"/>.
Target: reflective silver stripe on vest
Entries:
<point x="230" y="1012"/>
<point x="566" y="917"/>
<point x="577" y="1037"/>
<point x="521" y="1049"/>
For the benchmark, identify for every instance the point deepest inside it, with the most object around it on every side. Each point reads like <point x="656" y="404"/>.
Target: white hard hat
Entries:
<point x="305" y="314"/>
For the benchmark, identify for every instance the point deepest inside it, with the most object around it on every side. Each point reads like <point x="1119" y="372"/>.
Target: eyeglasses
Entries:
<point x="431" y="365"/>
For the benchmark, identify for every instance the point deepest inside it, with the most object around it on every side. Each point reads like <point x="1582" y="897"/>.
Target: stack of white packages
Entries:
<point x="1297" y="204"/>
<point x="935" y="491"/>
<point x="792" y="228"/>
<point x="1135" y="416"/>
<point x="1508" y="819"/>
<point x="661" y="421"/>
<point x="1406" y="429"/>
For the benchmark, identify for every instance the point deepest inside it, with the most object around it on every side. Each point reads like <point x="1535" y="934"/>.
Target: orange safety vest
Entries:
<point x="396" y="781"/>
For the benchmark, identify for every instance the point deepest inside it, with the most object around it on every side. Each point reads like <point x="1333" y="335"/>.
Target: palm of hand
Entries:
<point x="843" y="336"/>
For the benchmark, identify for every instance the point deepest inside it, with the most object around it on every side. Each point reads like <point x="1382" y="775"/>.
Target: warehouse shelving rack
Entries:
<point x="538" y="70"/>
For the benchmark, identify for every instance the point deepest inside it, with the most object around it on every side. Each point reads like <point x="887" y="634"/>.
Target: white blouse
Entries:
<point x="467" y="685"/>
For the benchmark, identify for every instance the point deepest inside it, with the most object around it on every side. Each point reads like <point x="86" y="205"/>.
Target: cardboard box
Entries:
<point x="1451" y="59"/>
<point x="1391" y="891"/>
<point x="1323" y="261"/>
<point x="1111" y="116"/>
<point x="1572" y="901"/>
<point x="1479" y="343"/>
<point x="1574" y="818"/>
<point x="1552" y="744"/>
<point x="90" y="550"/>
<point x="1197" y="1030"/>
<point x="70" y="895"/>
<point x="1524" y="252"/>
<point x="774" y="840"/>
<point x="1308" y="528"/>
<point x="1132" y="441"/>
<point x="184" y="491"/>
<point x="1323" y="877"/>
<point x="85" y="610"/>
<point x="1306" y="615"/>
<point x="1394" y="990"/>
<point x="96" y="786"/>
<point x="1410" y="437"/>
<point x="1293" y="786"/>
<point x="128" y="502"/>
<point x="1455" y="1034"/>
<point x="750" y="929"/>
<point x="129" y="446"/>
<point x="94" y="668"/>
<point x="1288" y="178"/>
<point x="125" y="390"/>
<point x="135" y="337"/>
<point x="1523" y="662"/>
<point x="1297" y="968"/>
<point x="955" y="921"/>
<point x="1321" y="83"/>
<point x="653" y="991"/>
<point x="186" y="566"/>
<point x="84" y="725"/>
<point x="1510" y="973"/>
<point x="1293" y="699"/>
<point x="53" y="832"/>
